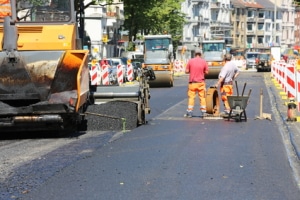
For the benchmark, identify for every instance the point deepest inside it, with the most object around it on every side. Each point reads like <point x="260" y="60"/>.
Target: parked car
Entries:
<point x="263" y="62"/>
<point x="250" y="59"/>
<point x="137" y="65"/>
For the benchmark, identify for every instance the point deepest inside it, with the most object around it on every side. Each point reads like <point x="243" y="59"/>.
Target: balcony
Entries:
<point x="215" y="24"/>
<point x="261" y="20"/>
<point x="250" y="32"/>
<point x="250" y="19"/>
<point x="260" y="32"/>
<point x="206" y="20"/>
<point x="194" y="19"/>
<point x="215" y="4"/>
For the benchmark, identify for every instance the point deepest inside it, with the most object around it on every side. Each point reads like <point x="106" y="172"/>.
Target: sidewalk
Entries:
<point x="291" y="129"/>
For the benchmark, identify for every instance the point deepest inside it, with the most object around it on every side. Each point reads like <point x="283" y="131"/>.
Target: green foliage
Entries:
<point x="154" y="17"/>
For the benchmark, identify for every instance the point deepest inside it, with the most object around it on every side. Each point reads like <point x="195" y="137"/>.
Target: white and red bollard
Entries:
<point x="120" y="74"/>
<point x="129" y="72"/>
<point x="95" y="74"/>
<point x="104" y="75"/>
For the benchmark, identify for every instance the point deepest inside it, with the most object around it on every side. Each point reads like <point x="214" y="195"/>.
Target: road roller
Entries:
<point x="213" y="52"/>
<point x="158" y="55"/>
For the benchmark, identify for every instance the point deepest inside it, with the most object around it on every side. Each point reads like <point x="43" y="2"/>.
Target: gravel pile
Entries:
<point x="108" y="116"/>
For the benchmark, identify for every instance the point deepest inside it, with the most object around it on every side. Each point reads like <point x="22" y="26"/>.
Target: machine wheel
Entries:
<point x="212" y="101"/>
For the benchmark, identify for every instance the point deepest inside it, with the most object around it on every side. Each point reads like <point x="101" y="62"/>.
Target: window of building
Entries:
<point x="261" y="15"/>
<point x="250" y="27"/>
<point x="260" y="39"/>
<point x="260" y="26"/>
<point x="250" y="13"/>
<point x="249" y="40"/>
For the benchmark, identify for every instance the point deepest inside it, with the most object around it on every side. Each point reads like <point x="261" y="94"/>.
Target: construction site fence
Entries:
<point x="286" y="76"/>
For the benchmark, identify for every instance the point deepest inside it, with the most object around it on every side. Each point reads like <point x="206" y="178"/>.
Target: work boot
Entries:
<point x="188" y="114"/>
<point x="203" y="110"/>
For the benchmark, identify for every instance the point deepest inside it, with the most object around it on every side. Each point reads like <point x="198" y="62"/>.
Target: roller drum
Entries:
<point x="163" y="79"/>
<point x="212" y="101"/>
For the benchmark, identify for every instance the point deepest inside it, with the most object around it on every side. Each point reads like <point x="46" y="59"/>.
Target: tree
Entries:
<point x="153" y="17"/>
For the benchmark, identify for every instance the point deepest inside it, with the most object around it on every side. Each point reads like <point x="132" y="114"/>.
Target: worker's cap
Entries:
<point x="228" y="56"/>
<point x="198" y="50"/>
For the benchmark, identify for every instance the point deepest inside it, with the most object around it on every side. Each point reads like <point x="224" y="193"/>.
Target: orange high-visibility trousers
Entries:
<point x="193" y="89"/>
<point x="226" y="90"/>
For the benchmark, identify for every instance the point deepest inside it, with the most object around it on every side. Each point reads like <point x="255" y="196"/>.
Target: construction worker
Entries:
<point x="5" y="9"/>
<point x="104" y="61"/>
<point x="228" y="73"/>
<point x="196" y="68"/>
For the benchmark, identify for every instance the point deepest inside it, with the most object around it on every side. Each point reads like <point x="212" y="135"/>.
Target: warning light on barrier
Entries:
<point x="104" y="39"/>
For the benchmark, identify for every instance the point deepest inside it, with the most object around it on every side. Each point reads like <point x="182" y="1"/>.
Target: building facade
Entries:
<point x="248" y="24"/>
<point x="102" y="25"/>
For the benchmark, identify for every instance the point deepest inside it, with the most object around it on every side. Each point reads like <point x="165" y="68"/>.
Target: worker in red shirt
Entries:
<point x="285" y="58"/>
<point x="196" y="68"/>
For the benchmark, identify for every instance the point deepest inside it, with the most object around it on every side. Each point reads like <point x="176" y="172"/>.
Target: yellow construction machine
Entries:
<point x="158" y="55"/>
<point x="44" y="72"/>
<point x="44" y="76"/>
<point x="213" y="53"/>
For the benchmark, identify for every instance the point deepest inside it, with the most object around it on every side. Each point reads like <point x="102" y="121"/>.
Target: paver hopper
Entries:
<point x="44" y="79"/>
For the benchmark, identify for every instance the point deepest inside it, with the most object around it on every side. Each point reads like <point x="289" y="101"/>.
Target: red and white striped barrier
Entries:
<point x="129" y="72"/>
<point x="298" y="88"/>
<point x="120" y="74"/>
<point x="178" y="66"/>
<point x="104" y="75"/>
<point x="290" y="81"/>
<point x="287" y="75"/>
<point x="95" y="74"/>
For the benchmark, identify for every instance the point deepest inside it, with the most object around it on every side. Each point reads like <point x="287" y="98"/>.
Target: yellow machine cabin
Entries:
<point x="213" y="53"/>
